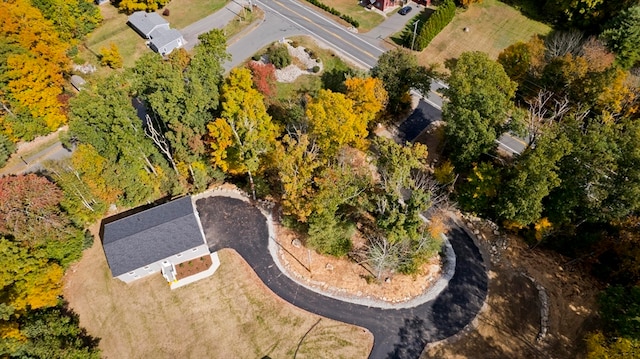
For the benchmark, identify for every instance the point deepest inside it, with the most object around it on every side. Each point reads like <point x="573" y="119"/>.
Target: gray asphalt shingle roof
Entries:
<point x="163" y="37"/>
<point x="146" y="22"/>
<point x="151" y="235"/>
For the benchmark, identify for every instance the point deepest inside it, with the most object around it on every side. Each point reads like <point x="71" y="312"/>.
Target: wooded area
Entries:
<point x="168" y="127"/>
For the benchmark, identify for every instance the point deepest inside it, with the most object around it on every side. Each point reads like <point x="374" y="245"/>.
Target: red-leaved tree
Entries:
<point x="264" y="77"/>
<point x="29" y="207"/>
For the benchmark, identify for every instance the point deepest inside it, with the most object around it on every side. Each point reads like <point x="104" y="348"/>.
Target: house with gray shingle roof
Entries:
<point x="154" y="240"/>
<point x="145" y="23"/>
<point x="164" y="41"/>
<point x="151" y="26"/>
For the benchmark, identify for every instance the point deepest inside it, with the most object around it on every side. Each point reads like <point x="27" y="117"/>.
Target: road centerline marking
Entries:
<point x="336" y="46"/>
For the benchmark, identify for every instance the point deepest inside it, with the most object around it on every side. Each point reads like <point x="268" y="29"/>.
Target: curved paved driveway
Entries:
<point x="398" y="333"/>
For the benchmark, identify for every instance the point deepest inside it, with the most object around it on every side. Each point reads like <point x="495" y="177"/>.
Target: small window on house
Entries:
<point x="194" y="250"/>
<point x="132" y="273"/>
<point x="179" y="255"/>
<point x="146" y="267"/>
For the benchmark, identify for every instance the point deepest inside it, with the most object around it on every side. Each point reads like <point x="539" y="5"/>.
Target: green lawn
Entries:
<point x="186" y="12"/>
<point x="334" y="67"/>
<point x="114" y="27"/>
<point x="492" y="25"/>
<point x="368" y="19"/>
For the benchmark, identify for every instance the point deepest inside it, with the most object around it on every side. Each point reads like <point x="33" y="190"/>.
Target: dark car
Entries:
<point x="405" y="10"/>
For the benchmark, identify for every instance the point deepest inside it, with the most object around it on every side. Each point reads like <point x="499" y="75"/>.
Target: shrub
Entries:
<point x="87" y="241"/>
<point x="350" y="20"/>
<point x="335" y="12"/>
<point x="6" y="149"/>
<point x="295" y="43"/>
<point x="110" y="56"/>
<point x="256" y="57"/>
<point x="329" y="235"/>
<point x="279" y="56"/>
<point x="316" y="69"/>
<point x="264" y="78"/>
<point x="432" y="27"/>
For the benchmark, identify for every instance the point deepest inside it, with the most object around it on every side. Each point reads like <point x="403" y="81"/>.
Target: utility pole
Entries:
<point x="415" y="29"/>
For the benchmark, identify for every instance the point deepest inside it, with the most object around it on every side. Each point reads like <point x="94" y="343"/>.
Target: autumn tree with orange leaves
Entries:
<point x="32" y="62"/>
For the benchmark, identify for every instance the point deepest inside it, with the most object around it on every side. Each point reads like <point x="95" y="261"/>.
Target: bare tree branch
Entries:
<point x="158" y="138"/>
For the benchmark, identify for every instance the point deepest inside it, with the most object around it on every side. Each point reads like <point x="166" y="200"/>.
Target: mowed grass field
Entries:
<point x="492" y="25"/>
<point x="114" y="26"/>
<point x="228" y="315"/>
<point x="114" y="29"/>
<point x="368" y="19"/>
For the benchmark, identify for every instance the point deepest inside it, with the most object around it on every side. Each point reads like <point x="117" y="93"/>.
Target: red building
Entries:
<point x="382" y="4"/>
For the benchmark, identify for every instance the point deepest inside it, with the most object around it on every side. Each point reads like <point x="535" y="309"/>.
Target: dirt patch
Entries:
<point x="193" y="266"/>
<point x="231" y="314"/>
<point x="510" y="323"/>
<point x="343" y="276"/>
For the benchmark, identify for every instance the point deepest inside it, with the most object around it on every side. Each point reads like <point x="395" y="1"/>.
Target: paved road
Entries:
<point x="34" y="162"/>
<point x="427" y="112"/>
<point x="398" y="333"/>
<point x="511" y="144"/>
<point x="217" y="20"/>
<point x="285" y="18"/>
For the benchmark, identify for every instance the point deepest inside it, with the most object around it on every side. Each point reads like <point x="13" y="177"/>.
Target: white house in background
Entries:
<point x="154" y="240"/>
<point x="151" y="26"/>
<point x="144" y="23"/>
<point x="164" y="41"/>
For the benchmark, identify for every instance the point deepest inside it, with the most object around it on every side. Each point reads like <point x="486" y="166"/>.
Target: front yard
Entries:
<point x="368" y="19"/>
<point x="114" y="26"/>
<point x="492" y="25"/>
<point x="228" y="315"/>
<point x="114" y="29"/>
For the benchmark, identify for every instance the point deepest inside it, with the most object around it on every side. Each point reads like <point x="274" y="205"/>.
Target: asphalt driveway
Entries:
<point x="398" y="333"/>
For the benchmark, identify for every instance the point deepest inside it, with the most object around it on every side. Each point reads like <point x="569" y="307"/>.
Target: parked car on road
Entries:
<point x="405" y="10"/>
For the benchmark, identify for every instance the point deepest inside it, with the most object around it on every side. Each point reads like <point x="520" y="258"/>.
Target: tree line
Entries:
<point x="576" y="186"/>
<point x="192" y="128"/>
<point x="37" y="38"/>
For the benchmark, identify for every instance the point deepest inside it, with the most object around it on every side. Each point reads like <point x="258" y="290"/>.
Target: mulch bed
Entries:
<point x="193" y="266"/>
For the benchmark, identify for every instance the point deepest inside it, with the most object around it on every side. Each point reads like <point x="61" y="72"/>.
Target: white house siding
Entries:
<point x="169" y="47"/>
<point x="155" y="267"/>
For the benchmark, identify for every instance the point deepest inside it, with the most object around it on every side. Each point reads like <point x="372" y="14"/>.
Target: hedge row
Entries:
<point x="434" y="24"/>
<point x="335" y="12"/>
<point x="350" y="20"/>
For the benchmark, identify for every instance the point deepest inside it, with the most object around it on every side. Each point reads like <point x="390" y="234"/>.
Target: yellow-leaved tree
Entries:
<point x="130" y="6"/>
<point x="35" y="60"/>
<point x="244" y="134"/>
<point x="298" y="161"/>
<point x="110" y="56"/>
<point x="368" y="95"/>
<point x="334" y="123"/>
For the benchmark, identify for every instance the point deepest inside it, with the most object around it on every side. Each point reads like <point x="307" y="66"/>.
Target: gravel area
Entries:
<point x="302" y="64"/>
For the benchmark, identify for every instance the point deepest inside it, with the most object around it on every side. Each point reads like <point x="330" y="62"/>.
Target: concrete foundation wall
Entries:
<point x="155" y="267"/>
